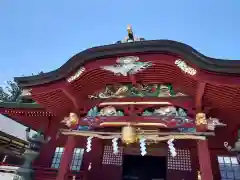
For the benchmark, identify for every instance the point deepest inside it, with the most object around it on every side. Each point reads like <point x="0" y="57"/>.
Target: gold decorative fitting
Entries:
<point x="70" y="120"/>
<point x="131" y="37"/>
<point x="76" y="75"/>
<point x="185" y="68"/>
<point x="201" y="119"/>
<point x="73" y="118"/>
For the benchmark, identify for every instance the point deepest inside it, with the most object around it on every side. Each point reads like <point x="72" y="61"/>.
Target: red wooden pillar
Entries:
<point x="66" y="158"/>
<point x="204" y="160"/>
<point x="94" y="157"/>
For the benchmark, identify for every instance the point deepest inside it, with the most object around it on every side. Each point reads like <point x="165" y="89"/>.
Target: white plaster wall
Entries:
<point x="7" y="172"/>
<point x="6" y="176"/>
<point x="13" y="128"/>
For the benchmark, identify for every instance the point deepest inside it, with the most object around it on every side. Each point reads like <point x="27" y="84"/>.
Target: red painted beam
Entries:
<point x="169" y="123"/>
<point x="168" y="60"/>
<point x="60" y="85"/>
<point x="71" y="94"/>
<point x="25" y="112"/>
<point x="199" y="96"/>
<point x="47" y="88"/>
<point x="133" y="79"/>
<point x="184" y="102"/>
<point x="161" y="60"/>
<point x="152" y="74"/>
<point x="132" y="110"/>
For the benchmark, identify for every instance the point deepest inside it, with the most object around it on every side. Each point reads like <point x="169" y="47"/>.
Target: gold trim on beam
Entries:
<point x="134" y="103"/>
<point x="120" y="124"/>
<point x="148" y="137"/>
<point x="156" y="138"/>
<point x="150" y="124"/>
<point x="66" y="131"/>
<point x="87" y="134"/>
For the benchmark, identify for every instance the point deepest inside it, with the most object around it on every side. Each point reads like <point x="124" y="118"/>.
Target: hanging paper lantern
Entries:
<point x="128" y="134"/>
<point x="171" y="147"/>
<point x="143" y="146"/>
<point x="89" y="144"/>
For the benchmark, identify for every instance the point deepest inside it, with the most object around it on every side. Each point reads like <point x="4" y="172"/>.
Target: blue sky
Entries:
<point x="42" y="35"/>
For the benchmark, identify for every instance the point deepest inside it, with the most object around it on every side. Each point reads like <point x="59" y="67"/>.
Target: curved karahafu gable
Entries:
<point x="189" y="55"/>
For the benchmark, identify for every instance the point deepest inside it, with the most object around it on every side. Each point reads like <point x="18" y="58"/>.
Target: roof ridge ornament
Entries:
<point x="130" y="37"/>
<point x="127" y="65"/>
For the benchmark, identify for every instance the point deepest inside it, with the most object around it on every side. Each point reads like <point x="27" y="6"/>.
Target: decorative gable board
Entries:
<point x="110" y="158"/>
<point x="181" y="162"/>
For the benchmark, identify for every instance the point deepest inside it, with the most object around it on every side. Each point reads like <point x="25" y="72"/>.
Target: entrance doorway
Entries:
<point x="144" y="167"/>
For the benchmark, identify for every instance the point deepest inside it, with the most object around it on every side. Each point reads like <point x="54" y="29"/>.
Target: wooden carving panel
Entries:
<point x="139" y="90"/>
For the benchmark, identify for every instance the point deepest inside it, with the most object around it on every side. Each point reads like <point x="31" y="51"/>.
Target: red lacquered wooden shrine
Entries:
<point x="197" y="84"/>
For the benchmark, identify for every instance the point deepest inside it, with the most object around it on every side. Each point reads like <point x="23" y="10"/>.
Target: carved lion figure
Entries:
<point x="108" y="111"/>
<point x="166" y="111"/>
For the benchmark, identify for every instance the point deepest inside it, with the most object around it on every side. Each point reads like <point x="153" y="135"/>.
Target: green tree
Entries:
<point x="3" y="95"/>
<point x="11" y="92"/>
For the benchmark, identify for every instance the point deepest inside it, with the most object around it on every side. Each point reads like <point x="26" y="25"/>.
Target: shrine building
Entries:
<point x="137" y="109"/>
<point x="12" y="144"/>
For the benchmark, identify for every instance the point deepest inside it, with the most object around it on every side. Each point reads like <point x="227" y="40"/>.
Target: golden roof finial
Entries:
<point x="130" y="37"/>
<point x="129" y="28"/>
